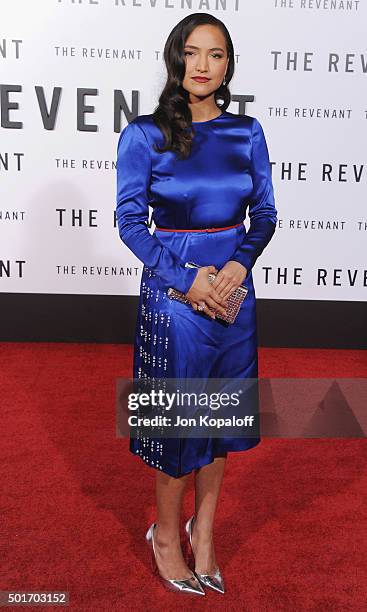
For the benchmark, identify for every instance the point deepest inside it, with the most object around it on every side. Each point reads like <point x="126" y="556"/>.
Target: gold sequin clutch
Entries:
<point x="235" y="299"/>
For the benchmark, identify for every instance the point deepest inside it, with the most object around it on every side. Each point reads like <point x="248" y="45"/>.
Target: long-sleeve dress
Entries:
<point x="226" y="176"/>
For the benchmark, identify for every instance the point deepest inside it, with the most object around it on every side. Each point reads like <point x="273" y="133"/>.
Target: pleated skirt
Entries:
<point x="172" y="340"/>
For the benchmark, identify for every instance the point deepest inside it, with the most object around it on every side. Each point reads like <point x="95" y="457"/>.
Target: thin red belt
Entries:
<point x="207" y="229"/>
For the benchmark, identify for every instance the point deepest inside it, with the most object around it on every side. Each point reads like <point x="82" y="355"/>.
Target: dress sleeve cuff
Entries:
<point x="185" y="280"/>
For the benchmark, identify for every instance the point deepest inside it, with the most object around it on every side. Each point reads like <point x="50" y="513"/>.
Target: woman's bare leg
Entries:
<point x="208" y="480"/>
<point x="169" y="493"/>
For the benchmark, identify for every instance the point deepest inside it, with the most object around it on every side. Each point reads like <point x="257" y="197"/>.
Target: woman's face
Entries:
<point x="205" y="54"/>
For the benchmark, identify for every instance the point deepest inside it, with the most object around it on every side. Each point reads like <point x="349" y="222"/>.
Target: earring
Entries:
<point x="224" y="81"/>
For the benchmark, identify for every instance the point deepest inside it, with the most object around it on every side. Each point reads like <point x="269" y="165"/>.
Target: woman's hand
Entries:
<point x="202" y="292"/>
<point x="229" y="278"/>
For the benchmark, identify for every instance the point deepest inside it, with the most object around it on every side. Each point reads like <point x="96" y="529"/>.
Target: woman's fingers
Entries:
<point x="229" y="292"/>
<point x="207" y="310"/>
<point x="213" y="305"/>
<point x="219" y="282"/>
<point x="225" y="288"/>
<point x="211" y="300"/>
<point x="203" y="307"/>
<point x="218" y="298"/>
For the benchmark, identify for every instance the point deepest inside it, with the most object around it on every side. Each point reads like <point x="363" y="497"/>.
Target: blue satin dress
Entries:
<point x="227" y="176"/>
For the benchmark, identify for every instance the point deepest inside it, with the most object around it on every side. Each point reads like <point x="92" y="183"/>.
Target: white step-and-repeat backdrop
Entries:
<point x="73" y="72"/>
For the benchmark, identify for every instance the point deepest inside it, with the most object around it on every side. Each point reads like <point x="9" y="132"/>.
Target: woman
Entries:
<point x="199" y="167"/>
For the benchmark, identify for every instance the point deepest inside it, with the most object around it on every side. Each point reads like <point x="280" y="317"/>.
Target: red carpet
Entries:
<point x="292" y="528"/>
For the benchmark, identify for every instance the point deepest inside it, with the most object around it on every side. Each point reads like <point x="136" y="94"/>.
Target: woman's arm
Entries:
<point x="262" y="211"/>
<point x="132" y="210"/>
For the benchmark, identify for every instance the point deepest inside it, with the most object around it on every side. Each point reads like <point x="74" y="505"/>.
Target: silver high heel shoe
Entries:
<point x="187" y="585"/>
<point x="212" y="581"/>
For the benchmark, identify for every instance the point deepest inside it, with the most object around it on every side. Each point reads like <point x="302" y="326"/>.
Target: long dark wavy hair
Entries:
<point x="173" y="115"/>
